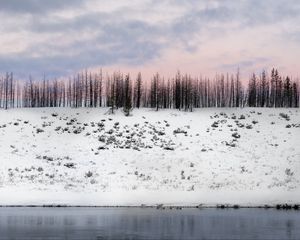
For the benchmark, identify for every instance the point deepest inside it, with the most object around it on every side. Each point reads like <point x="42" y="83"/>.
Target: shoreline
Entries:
<point x="155" y="199"/>
<point x="283" y="206"/>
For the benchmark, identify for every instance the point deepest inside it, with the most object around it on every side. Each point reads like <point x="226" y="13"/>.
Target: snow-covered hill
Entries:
<point x="90" y="157"/>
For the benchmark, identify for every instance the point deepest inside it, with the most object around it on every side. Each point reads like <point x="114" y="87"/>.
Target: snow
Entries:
<point x="210" y="156"/>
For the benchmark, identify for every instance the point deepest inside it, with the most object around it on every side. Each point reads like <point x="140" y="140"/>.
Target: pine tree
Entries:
<point x="127" y="96"/>
<point x="138" y="90"/>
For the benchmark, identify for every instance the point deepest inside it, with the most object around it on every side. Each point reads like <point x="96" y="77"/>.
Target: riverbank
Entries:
<point x="210" y="199"/>
<point x="89" y="157"/>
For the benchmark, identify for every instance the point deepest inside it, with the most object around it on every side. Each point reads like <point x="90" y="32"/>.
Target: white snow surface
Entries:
<point x="90" y="157"/>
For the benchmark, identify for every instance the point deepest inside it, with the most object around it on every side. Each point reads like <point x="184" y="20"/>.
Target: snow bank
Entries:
<point x="90" y="157"/>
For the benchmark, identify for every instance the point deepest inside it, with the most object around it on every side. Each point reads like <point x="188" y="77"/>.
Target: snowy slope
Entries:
<point x="90" y="157"/>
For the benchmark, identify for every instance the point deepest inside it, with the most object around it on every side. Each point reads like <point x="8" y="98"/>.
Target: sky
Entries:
<point x="59" y="38"/>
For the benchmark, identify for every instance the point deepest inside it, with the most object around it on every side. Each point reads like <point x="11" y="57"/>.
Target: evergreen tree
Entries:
<point x="127" y="96"/>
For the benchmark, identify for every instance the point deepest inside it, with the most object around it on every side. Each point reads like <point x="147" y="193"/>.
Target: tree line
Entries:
<point x="120" y="90"/>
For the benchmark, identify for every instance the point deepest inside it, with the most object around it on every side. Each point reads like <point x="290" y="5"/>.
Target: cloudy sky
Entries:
<point x="62" y="37"/>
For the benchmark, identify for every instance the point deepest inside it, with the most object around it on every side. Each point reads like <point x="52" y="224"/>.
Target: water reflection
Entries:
<point x="104" y="223"/>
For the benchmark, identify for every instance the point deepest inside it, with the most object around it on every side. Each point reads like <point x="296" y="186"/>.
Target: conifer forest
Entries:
<point x="120" y="90"/>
